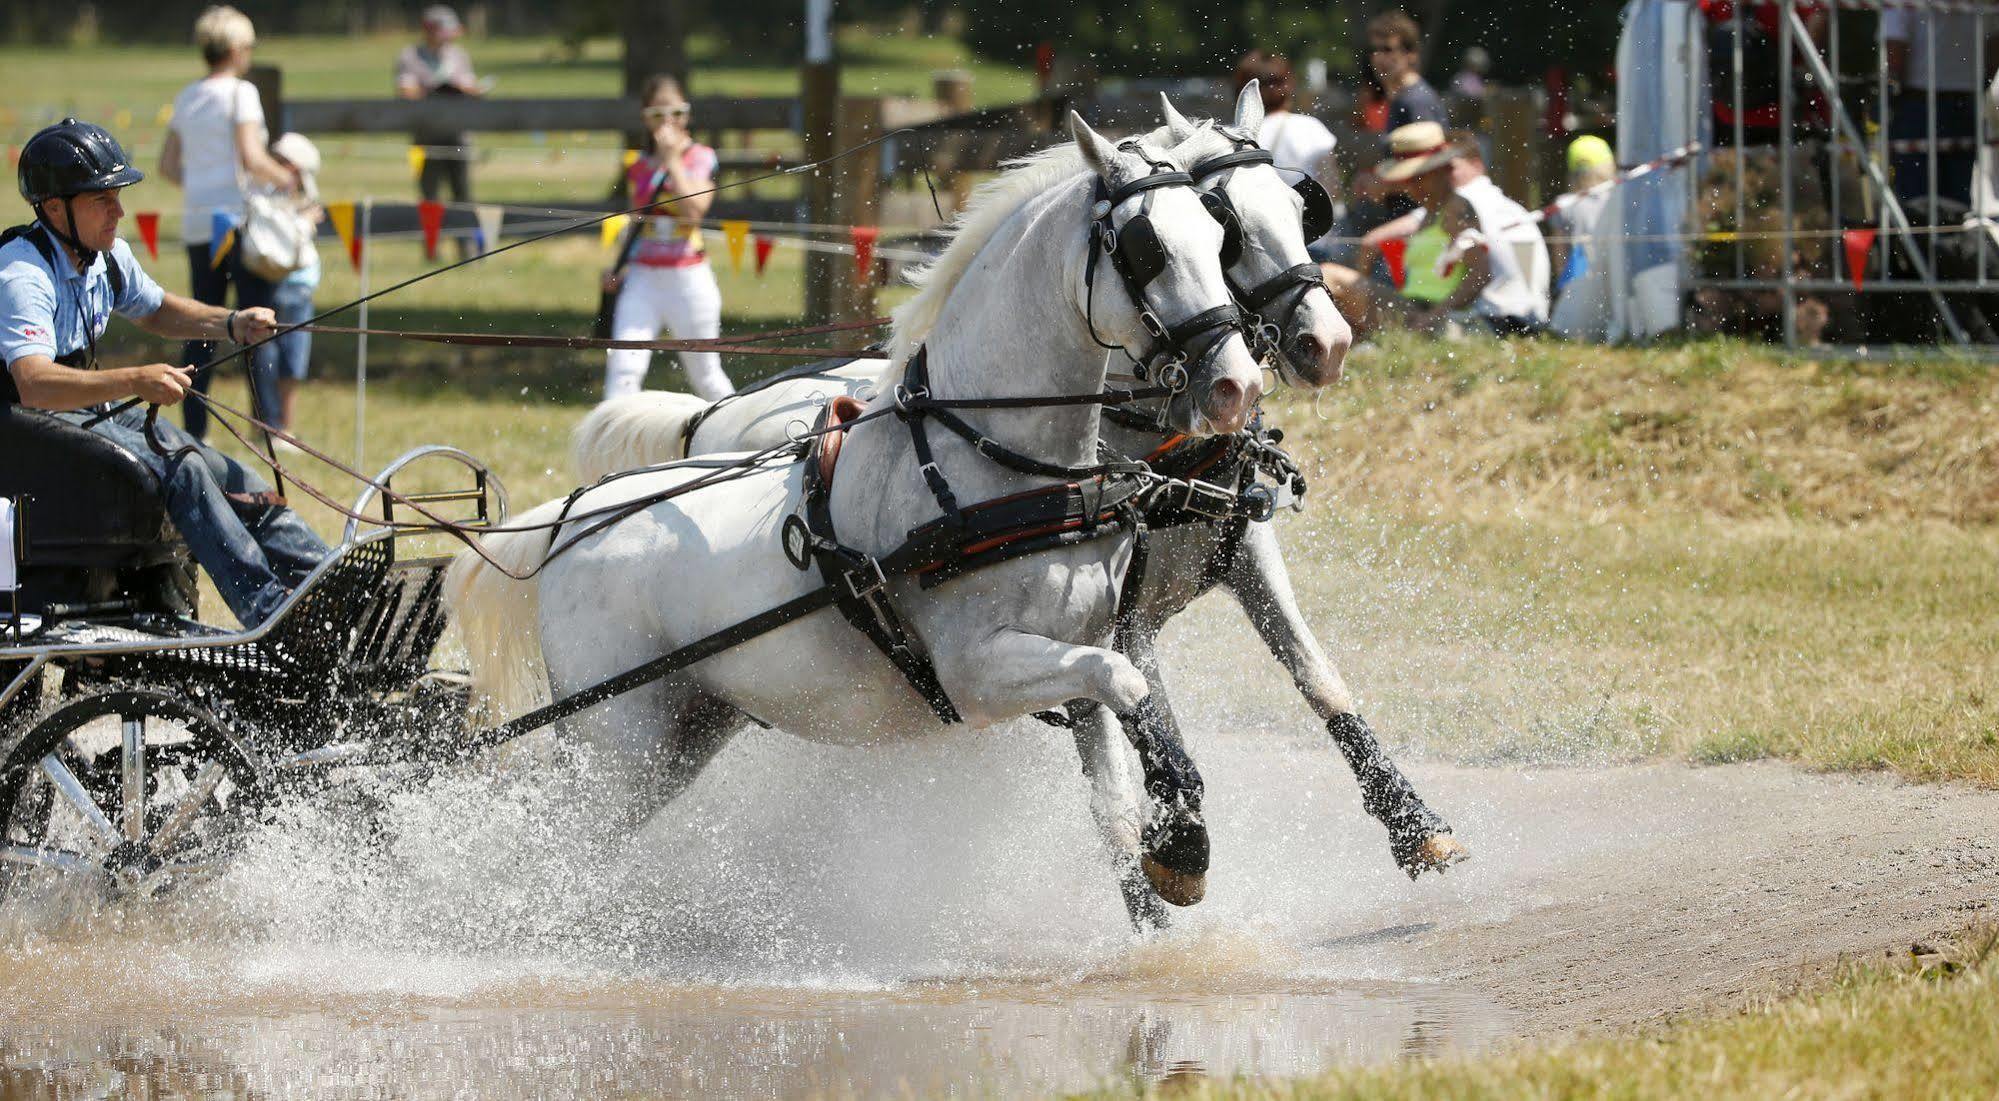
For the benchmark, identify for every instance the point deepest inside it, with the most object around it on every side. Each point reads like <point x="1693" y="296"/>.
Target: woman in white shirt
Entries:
<point x="216" y="145"/>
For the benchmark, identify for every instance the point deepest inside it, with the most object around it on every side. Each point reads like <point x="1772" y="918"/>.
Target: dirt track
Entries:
<point x="1663" y="890"/>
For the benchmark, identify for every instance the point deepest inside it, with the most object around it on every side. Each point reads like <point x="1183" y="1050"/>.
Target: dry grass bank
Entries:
<point x="1715" y="429"/>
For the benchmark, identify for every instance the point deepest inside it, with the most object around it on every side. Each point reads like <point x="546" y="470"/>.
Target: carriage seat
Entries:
<point x="91" y="503"/>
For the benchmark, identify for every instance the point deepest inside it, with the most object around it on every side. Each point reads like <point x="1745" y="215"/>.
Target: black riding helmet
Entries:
<point x="73" y="157"/>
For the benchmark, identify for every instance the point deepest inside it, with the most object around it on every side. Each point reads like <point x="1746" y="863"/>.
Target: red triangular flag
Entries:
<point x="864" y="251"/>
<point x="1859" y="242"/>
<point x="149" y="231"/>
<point x="1394" y="252"/>
<point x="764" y="245"/>
<point x="430" y="212"/>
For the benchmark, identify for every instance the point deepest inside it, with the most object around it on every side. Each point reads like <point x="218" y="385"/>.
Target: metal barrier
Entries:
<point x="1866" y="167"/>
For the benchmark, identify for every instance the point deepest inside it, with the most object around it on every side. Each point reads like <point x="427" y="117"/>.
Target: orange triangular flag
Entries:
<point x="1859" y="242"/>
<point x="149" y="231"/>
<point x="430" y="213"/>
<point x="342" y="217"/>
<point x="764" y="245"/>
<point x="864" y="251"/>
<point x="1395" y="253"/>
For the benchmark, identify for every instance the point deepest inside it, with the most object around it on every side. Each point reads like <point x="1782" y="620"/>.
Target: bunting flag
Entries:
<point x="342" y="217"/>
<point x="490" y="217"/>
<point x="764" y="245"/>
<point x="736" y="235"/>
<point x="610" y="227"/>
<point x="165" y="115"/>
<point x="864" y="251"/>
<point x="416" y="160"/>
<point x="1395" y="253"/>
<point x="221" y="238"/>
<point x="631" y="157"/>
<point x="430" y="214"/>
<point x="149" y="231"/>
<point x="122" y="120"/>
<point x="1859" y="242"/>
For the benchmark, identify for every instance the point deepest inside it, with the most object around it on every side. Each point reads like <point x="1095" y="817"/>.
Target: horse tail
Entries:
<point x="642" y="429"/>
<point x="498" y="616"/>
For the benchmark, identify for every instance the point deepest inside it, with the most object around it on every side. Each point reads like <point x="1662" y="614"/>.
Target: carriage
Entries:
<point x="137" y="744"/>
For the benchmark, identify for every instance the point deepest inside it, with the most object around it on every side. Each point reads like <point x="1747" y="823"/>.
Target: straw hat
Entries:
<point x="1415" y="149"/>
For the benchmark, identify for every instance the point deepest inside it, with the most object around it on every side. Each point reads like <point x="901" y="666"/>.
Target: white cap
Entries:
<point x="299" y="152"/>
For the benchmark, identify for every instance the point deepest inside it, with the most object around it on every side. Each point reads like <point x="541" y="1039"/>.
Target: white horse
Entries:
<point x="1185" y="561"/>
<point x="1004" y="313"/>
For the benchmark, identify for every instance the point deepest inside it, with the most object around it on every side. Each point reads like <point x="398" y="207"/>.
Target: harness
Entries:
<point x="1293" y="283"/>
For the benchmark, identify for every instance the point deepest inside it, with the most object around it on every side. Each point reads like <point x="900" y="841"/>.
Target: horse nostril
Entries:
<point x="1228" y="403"/>
<point x="1305" y="348"/>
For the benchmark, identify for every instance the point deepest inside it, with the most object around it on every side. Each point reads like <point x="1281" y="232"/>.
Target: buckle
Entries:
<point x="859" y="585"/>
<point x="1206" y="499"/>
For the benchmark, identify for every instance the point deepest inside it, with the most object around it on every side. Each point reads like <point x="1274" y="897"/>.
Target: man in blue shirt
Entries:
<point x="61" y="278"/>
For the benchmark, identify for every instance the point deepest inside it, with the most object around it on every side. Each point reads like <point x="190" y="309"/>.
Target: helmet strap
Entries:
<point x="84" y="257"/>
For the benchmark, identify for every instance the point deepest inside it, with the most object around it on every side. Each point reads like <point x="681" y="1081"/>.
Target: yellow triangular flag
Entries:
<point x="165" y="115"/>
<point x="737" y="234"/>
<point x="122" y="120"/>
<point x="342" y="217"/>
<point x="416" y="160"/>
<point x="631" y="157"/>
<point x="613" y="226"/>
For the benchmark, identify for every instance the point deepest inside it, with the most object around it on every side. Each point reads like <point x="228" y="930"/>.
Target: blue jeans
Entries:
<point x="256" y="554"/>
<point x="210" y="284"/>
<point x="294" y="304"/>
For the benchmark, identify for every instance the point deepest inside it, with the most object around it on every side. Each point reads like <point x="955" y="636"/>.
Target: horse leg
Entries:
<point x="1115" y="809"/>
<point x="1014" y="673"/>
<point x="1418" y="837"/>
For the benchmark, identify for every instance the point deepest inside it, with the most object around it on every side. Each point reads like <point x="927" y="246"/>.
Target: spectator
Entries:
<point x="215" y="145"/>
<point x="1760" y="110"/>
<point x="1935" y="52"/>
<point x="293" y="300"/>
<point x="1395" y="57"/>
<point x="1298" y="142"/>
<point x="1504" y="257"/>
<point x="667" y="281"/>
<point x="439" y="66"/>
<point x="1582" y="291"/>
<point x="1472" y="71"/>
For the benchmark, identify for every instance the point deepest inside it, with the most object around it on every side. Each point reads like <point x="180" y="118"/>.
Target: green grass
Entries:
<point x="550" y="168"/>
<point x="1918" y="1030"/>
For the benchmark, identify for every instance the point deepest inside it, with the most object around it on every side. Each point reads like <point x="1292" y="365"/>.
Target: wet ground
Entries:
<point x="937" y="920"/>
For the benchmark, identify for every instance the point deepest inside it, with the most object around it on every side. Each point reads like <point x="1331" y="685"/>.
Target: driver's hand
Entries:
<point x="162" y="383"/>
<point x="255" y="324"/>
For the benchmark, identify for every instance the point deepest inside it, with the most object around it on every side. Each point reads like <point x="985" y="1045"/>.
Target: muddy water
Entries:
<point x="805" y="921"/>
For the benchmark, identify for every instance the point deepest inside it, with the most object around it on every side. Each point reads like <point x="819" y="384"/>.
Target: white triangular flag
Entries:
<point x="490" y="218"/>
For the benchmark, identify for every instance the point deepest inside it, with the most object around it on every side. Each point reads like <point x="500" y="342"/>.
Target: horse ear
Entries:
<point x="1249" y="108"/>
<point x="1178" y="129"/>
<point x="1098" y="152"/>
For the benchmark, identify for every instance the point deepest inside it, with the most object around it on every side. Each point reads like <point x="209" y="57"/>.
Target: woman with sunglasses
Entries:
<point x="666" y="282"/>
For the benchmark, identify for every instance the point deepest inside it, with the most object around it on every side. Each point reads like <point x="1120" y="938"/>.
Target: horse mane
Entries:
<point x="992" y="203"/>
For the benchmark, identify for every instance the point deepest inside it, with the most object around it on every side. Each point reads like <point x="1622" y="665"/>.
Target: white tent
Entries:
<point x="1660" y="80"/>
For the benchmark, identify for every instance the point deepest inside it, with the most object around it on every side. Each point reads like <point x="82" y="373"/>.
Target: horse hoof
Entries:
<point x="1178" y="888"/>
<point x="1435" y="853"/>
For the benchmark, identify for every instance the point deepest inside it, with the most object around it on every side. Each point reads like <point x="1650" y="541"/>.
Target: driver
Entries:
<point x="61" y="278"/>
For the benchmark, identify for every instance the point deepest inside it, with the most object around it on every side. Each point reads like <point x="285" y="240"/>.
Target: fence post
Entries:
<point x="819" y="119"/>
<point x="857" y="200"/>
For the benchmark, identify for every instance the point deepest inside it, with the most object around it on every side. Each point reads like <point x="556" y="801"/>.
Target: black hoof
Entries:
<point x="1176" y="853"/>
<point x="1147" y="911"/>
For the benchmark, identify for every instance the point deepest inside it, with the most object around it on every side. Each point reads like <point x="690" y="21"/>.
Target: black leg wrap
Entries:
<point x="1385" y="792"/>
<point x="1175" y="834"/>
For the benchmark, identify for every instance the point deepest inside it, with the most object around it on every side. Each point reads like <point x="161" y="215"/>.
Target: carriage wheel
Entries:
<point x="126" y="791"/>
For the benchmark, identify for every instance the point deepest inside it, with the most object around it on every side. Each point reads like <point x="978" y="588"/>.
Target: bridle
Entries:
<point x="1287" y="289"/>
<point x="1139" y="259"/>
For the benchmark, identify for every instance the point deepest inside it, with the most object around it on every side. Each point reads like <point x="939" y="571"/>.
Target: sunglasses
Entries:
<point x="661" y="114"/>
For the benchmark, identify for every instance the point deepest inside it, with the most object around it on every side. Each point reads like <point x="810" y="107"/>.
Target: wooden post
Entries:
<point x="857" y="187"/>
<point x="819" y="121"/>
<point x="954" y="97"/>
<point x="655" y="34"/>
<point x="269" y="81"/>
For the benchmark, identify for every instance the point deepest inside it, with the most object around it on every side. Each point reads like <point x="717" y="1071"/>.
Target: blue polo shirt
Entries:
<point x="44" y="309"/>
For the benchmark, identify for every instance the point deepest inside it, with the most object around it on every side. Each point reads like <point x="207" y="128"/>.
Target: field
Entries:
<point x="1528" y="554"/>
